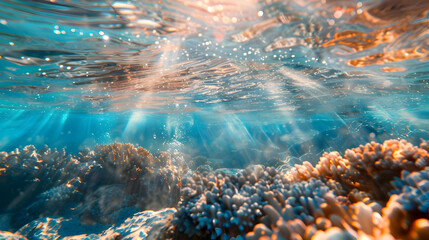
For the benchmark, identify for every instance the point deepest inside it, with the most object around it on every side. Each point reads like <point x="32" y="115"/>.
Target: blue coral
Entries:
<point x="413" y="190"/>
<point x="219" y="205"/>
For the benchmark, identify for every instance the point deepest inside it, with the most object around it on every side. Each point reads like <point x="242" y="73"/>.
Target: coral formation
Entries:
<point x="340" y="198"/>
<point x="223" y="205"/>
<point x="368" y="168"/>
<point x="96" y="186"/>
<point x="373" y="191"/>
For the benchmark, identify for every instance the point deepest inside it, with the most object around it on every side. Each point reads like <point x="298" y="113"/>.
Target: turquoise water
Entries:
<point x="210" y="78"/>
<point x="237" y="83"/>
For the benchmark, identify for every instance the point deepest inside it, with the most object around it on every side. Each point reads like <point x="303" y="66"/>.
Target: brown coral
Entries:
<point x="369" y="168"/>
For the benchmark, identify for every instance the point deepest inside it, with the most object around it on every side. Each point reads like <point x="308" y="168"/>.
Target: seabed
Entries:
<point x="369" y="192"/>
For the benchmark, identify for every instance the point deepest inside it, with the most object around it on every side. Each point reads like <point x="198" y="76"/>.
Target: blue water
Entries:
<point x="237" y="83"/>
<point x="230" y="139"/>
<point x="210" y="79"/>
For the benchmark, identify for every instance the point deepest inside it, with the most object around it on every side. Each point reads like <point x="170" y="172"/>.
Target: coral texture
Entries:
<point x="96" y="186"/>
<point x="374" y="191"/>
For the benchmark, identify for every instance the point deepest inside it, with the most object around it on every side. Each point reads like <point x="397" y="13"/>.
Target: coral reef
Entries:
<point x="340" y="198"/>
<point x="376" y="191"/>
<point x="368" y="168"/>
<point x="97" y="186"/>
<point x="223" y="205"/>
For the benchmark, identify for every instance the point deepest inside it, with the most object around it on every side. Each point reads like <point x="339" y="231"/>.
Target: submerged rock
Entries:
<point x="142" y="225"/>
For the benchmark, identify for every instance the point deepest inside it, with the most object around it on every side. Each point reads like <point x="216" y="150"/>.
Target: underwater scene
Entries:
<point x="214" y="119"/>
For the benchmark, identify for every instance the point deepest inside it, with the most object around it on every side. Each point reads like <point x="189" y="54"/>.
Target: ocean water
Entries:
<point x="213" y="84"/>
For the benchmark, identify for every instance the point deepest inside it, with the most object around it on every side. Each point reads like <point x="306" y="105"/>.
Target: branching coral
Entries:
<point x="339" y="198"/>
<point x="220" y="205"/>
<point x="369" y="168"/>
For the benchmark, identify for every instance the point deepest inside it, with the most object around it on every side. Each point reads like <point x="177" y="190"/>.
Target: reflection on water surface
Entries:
<point x="194" y="55"/>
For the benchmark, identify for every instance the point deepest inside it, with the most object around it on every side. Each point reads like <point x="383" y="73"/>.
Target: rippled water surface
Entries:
<point x="219" y="78"/>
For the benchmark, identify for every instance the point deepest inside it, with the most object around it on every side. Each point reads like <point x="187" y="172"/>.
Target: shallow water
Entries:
<point x="234" y="83"/>
<point x="213" y="76"/>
